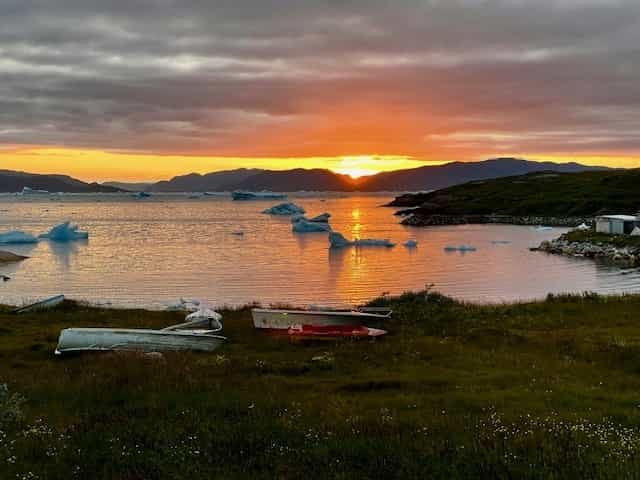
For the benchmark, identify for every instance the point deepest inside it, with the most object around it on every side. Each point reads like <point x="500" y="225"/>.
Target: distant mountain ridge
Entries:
<point x="13" y="182"/>
<point x="414" y="179"/>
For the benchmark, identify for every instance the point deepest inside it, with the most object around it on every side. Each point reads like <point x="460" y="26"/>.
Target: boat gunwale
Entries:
<point x="334" y="313"/>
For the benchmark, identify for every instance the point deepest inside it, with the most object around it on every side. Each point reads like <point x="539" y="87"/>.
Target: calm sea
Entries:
<point x="149" y="253"/>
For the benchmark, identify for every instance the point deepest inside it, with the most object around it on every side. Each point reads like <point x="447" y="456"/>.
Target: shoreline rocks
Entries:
<point x="628" y="256"/>
<point x="423" y="220"/>
<point x="8" y="257"/>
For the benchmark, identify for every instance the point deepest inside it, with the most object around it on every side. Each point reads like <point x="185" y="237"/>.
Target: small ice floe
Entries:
<point x="65" y="232"/>
<point x="284" y="209"/>
<point x="461" y="248"/>
<point x="337" y="240"/>
<point x="541" y="228"/>
<point x="306" y="226"/>
<point x="500" y="242"/>
<point x="411" y="243"/>
<point x="140" y="195"/>
<point x="17" y="237"/>
<point x="185" y="305"/>
<point x="584" y="227"/>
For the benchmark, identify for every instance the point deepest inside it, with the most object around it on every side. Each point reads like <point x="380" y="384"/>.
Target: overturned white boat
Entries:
<point x="198" y="333"/>
<point x="41" y="305"/>
<point x="276" y="319"/>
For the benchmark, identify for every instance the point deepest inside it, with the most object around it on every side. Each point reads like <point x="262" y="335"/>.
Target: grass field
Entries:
<point x="539" y="390"/>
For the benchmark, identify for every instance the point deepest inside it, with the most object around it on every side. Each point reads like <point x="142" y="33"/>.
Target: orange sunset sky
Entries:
<point x="145" y="91"/>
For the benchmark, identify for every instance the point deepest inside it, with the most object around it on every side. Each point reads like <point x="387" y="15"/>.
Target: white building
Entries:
<point x="616" y="224"/>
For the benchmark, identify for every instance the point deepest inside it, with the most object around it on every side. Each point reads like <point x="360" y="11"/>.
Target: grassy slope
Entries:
<point x="552" y="194"/>
<point x="602" y="238"/>
<point x="541" y="390"/>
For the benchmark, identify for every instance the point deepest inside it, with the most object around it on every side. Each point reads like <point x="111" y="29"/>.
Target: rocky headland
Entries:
<point x="622" y="250"/>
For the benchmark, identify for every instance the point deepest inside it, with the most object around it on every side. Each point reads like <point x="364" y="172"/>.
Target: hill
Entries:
<point x="12" y="182"/>
<point x="542" y="193"/>
<point x="129" y="186"/>
<point x="415" y="179"/>
<point x="442" y="176"/>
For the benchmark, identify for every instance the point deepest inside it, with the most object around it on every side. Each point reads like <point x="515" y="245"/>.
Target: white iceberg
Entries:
<point x="284" y="209"/>
<point x="306" y="226"/>
<point x="31" y="191"/>
<point x="543" y="228"/>
<point x="17" y="237"/>
<point x="337" y="240"/>
<point x="65" y="232"/>
<point x="411" y="243"/>
<point x="583" y="227"/>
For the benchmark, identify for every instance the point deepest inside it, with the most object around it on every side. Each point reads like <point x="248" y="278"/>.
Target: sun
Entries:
<point x="357" y="166"/>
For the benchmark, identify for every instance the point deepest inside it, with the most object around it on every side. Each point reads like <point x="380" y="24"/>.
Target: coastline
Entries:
<point x="621" y="250"/>
<point x="428" y="220"/>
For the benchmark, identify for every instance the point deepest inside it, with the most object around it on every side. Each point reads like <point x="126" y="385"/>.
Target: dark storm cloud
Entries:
<point x="225" y="77"/>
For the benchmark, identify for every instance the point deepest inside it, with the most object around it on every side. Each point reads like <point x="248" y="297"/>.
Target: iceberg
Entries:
<point x="31" y="191"/>
<point x="307" y="226"/>
<point x="337" y="240"/>
<point x="239" y="195"/>
<point x="65" y="232"/>
<point x="17" y="237"/>
<point x="322" y="218"/>
<point x="461" y="248"/>
<point x="543" y="229"/>
<point x="141" y="195"/>
<point x="411" y="243"/>
<point x="284" y="209"/>
<point x="583" y="226"/>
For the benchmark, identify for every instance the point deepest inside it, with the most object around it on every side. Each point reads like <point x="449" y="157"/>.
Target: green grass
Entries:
<point x="541" y="193"/>
<point x="538" y="390"/>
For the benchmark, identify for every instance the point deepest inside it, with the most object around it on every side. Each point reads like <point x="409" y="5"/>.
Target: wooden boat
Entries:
<point x="41" y="305"/>
<point x="334" y="331"/>
<point x="185" y="336"/>
<point x="272" y="319"/>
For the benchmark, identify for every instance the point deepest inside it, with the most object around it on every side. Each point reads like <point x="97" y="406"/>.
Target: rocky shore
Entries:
<point x="427" y="220"/>
<point x="625" y="256"/>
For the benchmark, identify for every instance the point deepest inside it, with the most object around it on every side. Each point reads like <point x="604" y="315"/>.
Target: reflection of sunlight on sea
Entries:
<point x="151" y="253"/>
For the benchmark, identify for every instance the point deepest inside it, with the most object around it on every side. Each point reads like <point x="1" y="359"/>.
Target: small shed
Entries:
<point x="616" y="224"/>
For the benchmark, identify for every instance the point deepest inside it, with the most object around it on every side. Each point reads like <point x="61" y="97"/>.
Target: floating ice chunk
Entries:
<point x="284" y="209"/>
<point x="583" y="226"/>
<point x="17" y="237"/>
<point x="322" y="218"/>
<point x="337" y="240"/>
<point x="500" y="242"/>
<point x="306" y="226"/>
<point x="140" y="195"/>
<point x="543" y="228"/>
<point x="411" y="243"/>
<point x="65" y="232"/>
<point x="461" y="248"/>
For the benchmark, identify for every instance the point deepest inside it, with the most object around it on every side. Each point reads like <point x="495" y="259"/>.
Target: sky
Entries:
<point x="148" y="89"/>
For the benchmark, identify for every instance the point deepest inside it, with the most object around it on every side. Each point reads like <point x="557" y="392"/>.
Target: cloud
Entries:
<point x="448" y="78"/>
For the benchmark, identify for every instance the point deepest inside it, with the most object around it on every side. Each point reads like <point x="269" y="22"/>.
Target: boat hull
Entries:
<point x="333" y="331"/>
<point x="107" y="339"/>
<point x="286" y="319"/>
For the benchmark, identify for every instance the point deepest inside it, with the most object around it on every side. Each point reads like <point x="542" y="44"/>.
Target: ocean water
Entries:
<point x="149" y="253"/>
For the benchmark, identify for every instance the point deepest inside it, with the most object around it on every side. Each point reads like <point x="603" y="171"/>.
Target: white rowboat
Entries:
<point x="273" y="319"/>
